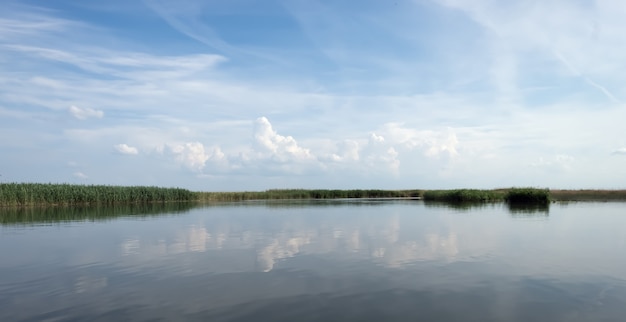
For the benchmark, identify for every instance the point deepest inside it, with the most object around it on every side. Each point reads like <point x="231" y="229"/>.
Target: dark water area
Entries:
<point x="358" y="260"/>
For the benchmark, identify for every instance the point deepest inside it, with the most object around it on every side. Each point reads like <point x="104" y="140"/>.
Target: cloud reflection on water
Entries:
<point x="254" y="237"/>
<point x="391" y="240"/>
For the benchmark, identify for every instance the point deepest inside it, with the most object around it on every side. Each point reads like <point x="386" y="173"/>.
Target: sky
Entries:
<point x="244" y="95"/>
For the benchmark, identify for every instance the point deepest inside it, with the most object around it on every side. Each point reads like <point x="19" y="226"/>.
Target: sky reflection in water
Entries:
<point x="360" y="260"/>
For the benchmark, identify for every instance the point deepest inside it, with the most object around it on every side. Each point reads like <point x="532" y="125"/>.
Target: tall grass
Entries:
<point x="34" y="194"/>
<point x="528" y="195"/>
<point x="305" y="194"/>
<point x="464" y="195"/>
<point x="512" y="195"/>
<point x="588" y="195"/>
<point x="29" y="194"/>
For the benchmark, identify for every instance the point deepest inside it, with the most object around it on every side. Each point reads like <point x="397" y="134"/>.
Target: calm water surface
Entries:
<point x="318" y="261"/>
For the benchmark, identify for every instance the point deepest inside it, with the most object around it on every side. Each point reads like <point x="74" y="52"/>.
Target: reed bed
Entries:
<point x="31" y="194"/>
<point x="38" y="194"/>
<point x="464" y="195"/>
<point x="528" y="195"/>
<point x="588" y="195"/>
<point x="512" y="195"/>
<point x="275" y="194"/>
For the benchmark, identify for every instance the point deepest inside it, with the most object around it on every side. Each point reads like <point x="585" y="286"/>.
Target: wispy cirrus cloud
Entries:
<point x="25" y="21"/>
<point x="80" y="175"/>
<point x="185" y="17"/>
<point x="122" y="63"/>
<point x="620" y="151"/>
<point x="570" y="39"/>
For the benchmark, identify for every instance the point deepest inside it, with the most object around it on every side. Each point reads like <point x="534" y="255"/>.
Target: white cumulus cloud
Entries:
<point x="433" y="143"/>
<point x="376" y="138"/>
<point x="273" y="145"/>
<point x="443" y="143"/>
<point x="379" y="154"/>
<point x="194" y="155"/>
<point x="126" y="149"/>
<point x="347" y="151"/>
<point x="83" y="113"/>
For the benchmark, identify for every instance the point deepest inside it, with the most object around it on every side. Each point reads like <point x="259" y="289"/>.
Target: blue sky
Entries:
<point x="252" y="95"/>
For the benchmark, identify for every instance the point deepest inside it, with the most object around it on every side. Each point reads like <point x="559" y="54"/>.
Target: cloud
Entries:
<point x="560" y="162"/>
<point x="191" y="155"/>
<point x="194" y="156"/>
<point x="620" y="151"/>
<point x="85" y="113"/>
<point x="376" y="138"/>
<point x="443" y="144"/>
<point x="379" y="154"/>
<point x="80" y="175"/>
<point x="126" y="149"/>
<point x="433" y="143"/>
<point x="31" y="22"/>
<point x="559" y="39"/>
<point x="186" y="19"/>
<point x="346" y="151"/>
<point x="270" y="144"/>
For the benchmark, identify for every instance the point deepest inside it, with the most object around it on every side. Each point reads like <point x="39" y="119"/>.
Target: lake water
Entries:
<point x="361" y="260"/>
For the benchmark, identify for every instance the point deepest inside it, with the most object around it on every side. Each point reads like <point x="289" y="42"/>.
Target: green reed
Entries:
<point x="30" y="194"/>
<point x="464" y="195"/>
<point x="512" y="195"/>
<point x="275" y="194"/>
<point x="528" y="195"/>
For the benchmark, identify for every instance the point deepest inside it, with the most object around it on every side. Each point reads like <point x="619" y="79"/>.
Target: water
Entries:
<point x="316" y="261"/>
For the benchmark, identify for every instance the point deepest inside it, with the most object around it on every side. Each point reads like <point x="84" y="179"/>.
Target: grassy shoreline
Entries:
<point x="36" y="194"/>
<point x="275" y="194"/>
<point x="588" y="195"/>
<point x="512" y="195"/>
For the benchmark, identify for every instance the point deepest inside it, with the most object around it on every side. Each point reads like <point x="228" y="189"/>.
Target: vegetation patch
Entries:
<point x="588" y="195"/>
<point x="512" y="195"/>
<point x="32" y="194"/>
<point x="528" y="195"/>
<point x="38" y="194"/>
<point x="275" y="194"/>
<point x="464" y="195"/>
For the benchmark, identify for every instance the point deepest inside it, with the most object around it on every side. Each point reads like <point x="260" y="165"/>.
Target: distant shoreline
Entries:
<point x="47" y="194"/>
